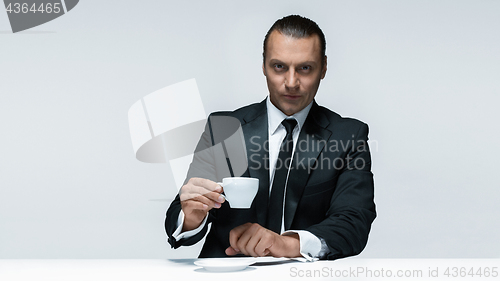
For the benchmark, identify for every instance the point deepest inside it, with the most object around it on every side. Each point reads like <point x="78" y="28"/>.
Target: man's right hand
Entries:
<point x="199" y="196"/>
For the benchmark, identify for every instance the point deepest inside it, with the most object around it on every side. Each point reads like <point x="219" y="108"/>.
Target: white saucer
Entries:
<point x="224" y="264"/>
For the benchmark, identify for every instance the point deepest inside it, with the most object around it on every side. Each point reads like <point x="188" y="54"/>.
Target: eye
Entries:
<point x="305" y="68"/>
<point x="279" y="67"/>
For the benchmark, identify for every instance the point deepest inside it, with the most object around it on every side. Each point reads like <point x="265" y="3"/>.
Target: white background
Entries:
<point x="423" y="74"/>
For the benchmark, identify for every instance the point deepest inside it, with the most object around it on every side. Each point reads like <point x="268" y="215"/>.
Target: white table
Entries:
<point x="185" y="270"/>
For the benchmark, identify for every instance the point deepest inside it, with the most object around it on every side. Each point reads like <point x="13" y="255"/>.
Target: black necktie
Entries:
<point x="275" y="208"/>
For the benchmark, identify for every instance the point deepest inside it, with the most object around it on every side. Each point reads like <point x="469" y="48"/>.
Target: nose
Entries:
<point x="292" y="80"/>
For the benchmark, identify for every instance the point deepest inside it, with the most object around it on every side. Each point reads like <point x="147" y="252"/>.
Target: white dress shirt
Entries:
<point x="310" y="245"/>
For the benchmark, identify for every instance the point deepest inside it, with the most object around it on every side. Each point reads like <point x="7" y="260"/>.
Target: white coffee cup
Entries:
<point x="240" y="192"/>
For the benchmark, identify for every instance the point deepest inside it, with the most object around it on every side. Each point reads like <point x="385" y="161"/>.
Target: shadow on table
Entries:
<point x="182" y="261"/>
<point x="259" y="263"/>
<point x="273" y="262"/>
<point x="202" y="270"/>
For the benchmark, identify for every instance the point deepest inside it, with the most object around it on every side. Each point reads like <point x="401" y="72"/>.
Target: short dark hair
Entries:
<point x="296" y="26"/>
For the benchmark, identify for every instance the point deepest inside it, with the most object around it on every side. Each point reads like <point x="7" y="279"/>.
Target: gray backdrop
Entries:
<point x="423" y="74"/>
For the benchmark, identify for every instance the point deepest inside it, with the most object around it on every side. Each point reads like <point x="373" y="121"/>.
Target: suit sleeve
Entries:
<point x="352" y="209"/>
<point x="202" y="166"/>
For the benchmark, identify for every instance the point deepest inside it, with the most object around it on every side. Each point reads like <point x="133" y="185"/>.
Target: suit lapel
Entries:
<point x="314" y="135"/>
<point x="255" y="129"/>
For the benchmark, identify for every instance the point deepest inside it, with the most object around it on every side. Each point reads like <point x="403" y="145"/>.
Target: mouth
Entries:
<point x="292" y="97"/>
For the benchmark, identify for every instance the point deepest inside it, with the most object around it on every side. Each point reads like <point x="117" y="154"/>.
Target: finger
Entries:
<point x="265" y="243"/>
<point x="206" y="183"/>
<point x="235" y="234"/>
<point x="196" y="190"/>
<point x="191" y="206"/>
<point x="247" y="241"/>
<point x="259" y="240"/>
<point x="212" y="196"/>
<point x="216" y="197"/>
<point x="250" y="246"/>
<point x="206" y="201"/>
<point x="231" y="252"/>
<point x="190" y="191"/>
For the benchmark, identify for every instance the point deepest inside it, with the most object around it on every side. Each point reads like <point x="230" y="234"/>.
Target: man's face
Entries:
<point x="293" y="71"/>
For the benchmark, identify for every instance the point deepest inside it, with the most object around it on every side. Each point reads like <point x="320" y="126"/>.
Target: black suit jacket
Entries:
<point x="330" y="186"/>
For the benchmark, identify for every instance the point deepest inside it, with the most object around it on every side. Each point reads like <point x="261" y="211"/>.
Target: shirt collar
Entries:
<point x="276" y="116"/>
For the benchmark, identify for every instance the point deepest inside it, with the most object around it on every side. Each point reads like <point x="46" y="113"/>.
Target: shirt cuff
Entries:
<point x="177" y="235"/>
<point x="311" y="246"/>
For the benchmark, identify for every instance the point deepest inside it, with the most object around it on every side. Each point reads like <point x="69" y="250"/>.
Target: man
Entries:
<point x="323" y="199"/>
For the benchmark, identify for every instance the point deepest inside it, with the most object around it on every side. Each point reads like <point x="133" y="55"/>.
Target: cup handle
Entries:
<point x="221" y="184"/>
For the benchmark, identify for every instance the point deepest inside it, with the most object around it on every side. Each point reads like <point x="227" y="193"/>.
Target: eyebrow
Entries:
<point x="274" y="61"/>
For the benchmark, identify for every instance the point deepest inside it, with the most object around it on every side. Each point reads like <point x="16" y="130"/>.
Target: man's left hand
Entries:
<point x="251" y="239"/>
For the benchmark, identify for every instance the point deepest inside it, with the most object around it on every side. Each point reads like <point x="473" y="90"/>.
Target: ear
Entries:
<point x="264" y="69"/>
<point x="323" y="71"/>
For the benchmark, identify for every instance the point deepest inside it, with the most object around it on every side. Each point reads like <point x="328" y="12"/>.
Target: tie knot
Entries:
<point x="289" y="125"/>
